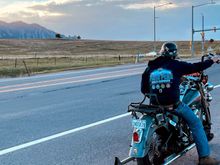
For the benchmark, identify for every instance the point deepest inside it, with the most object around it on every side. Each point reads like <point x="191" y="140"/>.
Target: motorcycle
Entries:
<point x="160" y="136"/>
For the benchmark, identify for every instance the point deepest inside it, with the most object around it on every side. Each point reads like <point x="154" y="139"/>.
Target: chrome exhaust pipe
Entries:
<point x="125" y="161"/>
<point x="167" y="160"/>
<point x="173" y="157"/>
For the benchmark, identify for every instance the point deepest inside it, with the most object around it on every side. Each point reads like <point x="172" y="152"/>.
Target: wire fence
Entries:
<point x="28" y="66"/>
<point x="13" y="66"/>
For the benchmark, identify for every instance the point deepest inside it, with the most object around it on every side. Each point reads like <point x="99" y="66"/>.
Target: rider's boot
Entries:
<point x="208" y="161"/>
<point x="210" y="136"/>
<point x="208" y="132"/>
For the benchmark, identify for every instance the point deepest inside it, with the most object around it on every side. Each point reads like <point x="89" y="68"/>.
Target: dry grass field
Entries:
<point x="21" y="57"/>
<point x="63" y="48"/>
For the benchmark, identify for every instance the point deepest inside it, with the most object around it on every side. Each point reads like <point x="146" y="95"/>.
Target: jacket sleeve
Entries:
<point x="184" y="68"/>
<point x="145" y="81"/>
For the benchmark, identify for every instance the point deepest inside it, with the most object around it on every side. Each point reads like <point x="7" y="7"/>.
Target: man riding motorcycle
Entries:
<point x="169" y="94"/>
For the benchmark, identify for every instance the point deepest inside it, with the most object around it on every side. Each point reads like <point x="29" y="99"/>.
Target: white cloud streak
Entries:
<point x="61" y="2"/>
<point x="49" y="8"/>
<point x="27" y="9"/>
<point x="145" y="5"/>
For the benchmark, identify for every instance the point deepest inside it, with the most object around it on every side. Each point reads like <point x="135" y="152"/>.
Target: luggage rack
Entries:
<point x="146" y="108"/>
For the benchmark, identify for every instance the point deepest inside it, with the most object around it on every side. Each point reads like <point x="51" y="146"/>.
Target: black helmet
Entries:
<point x="169" y="49"/>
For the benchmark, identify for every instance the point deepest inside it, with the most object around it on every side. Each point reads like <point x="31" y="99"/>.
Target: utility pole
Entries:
<point x="203" y="36"/>
<point x="193" y="30"/>
<point x="192" y="42"/>
<point x="157" y="6"/>
<point x="154" y="28"/>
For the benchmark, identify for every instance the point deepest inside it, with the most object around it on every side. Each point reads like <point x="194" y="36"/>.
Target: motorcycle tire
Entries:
<point x="153" y="157"/>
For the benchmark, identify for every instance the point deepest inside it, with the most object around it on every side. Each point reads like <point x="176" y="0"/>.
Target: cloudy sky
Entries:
<point x="115" y="19"/>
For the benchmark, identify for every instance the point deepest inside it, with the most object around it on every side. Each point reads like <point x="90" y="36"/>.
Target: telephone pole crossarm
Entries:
<point x="207" y="30"/>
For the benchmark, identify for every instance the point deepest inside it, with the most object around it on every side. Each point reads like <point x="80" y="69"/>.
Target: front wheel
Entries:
<point x="153" y="156"/>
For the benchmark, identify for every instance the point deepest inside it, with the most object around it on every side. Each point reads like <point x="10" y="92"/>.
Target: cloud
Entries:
<point x="19" y="9"/>
<point x="61" y="2"/>
<point x="25" y="9"/>
<point x="144" y="5"/>
<point x="56" y="8"/>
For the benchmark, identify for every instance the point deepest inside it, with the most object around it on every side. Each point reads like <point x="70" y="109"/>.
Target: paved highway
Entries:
<point x="76" y="117"/>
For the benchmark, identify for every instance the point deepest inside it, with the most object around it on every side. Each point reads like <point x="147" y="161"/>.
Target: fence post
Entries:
<point x="15" y="62"/>
<point x="137" y="58"/>
<point x="37" y="61"/>
<point x="26" y="68"/>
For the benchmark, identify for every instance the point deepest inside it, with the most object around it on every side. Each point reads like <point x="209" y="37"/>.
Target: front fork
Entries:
<point x="205" y="105"/>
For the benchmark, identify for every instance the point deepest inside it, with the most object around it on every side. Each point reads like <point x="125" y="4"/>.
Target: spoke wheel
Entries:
<point x="153" y="156"/>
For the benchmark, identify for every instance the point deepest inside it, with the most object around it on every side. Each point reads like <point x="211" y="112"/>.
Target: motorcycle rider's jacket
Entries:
<point x="178" y="69"/>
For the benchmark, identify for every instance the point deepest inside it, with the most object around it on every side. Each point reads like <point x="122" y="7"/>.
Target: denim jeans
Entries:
<point x="196" y="127"/>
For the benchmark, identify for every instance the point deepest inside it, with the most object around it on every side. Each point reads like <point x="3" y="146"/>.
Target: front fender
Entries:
<point x="139" y="150"/>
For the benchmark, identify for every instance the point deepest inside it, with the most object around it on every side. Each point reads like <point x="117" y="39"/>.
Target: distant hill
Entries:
<point x="21" y="30"/>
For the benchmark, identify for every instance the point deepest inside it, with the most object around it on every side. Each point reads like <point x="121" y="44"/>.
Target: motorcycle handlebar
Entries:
<point x="210" y="56"/>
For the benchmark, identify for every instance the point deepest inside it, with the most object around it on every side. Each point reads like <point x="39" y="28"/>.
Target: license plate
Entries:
<point x="139" y="124"/>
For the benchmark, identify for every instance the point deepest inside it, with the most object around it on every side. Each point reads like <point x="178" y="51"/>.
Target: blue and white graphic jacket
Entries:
<point x="178" y="68"/>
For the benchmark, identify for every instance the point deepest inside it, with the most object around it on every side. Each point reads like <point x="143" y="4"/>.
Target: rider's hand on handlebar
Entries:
<point x="215" y="59"/>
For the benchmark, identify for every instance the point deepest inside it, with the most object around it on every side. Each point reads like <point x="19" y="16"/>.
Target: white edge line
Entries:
<point x="217" y="86"/>
<point x="29" y="144"/>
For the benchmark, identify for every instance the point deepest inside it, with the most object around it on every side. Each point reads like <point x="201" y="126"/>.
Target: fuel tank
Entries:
<point x="191" y="96"/>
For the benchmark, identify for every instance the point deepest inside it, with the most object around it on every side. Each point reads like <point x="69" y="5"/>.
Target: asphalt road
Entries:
<point x="78" y="117"/>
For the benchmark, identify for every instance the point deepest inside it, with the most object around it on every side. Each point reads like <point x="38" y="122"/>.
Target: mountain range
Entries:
<point x="21" y="30"/>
